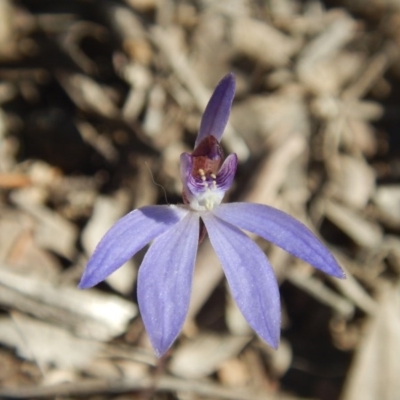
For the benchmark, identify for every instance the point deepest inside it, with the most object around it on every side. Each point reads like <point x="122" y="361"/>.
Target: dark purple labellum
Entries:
<point x="207" y="157"/>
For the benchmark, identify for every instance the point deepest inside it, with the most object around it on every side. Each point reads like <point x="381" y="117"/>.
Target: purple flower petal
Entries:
<point x="283" y="230"/>
<point x="227" y="172"/>
<point x="250" y="277"/>
<point x="217" y="112"/>
<point x="186" y="166"/>
<point x="165" y="282"/>
<point x="126" y="237"/>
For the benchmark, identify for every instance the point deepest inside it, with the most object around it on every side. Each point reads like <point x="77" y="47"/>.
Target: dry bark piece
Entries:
<point x="351" y="288"/>
<point x="387" y="199"/>
<point x="101" y="143"/>
<point x="129" y="27"/>
<point x="274" y="117"/>
<point x="364" y="233"/>
<point x="10" y="42"/>
<point x="153" y="123"/>
<point x="51" y="231"/>
<point x="320" y="292"/>
<point x="281" y="358"/>
<point x="376" y="368"/>
<point x="392" y="247"/>
<point x="8" y="92"/>
<point x="11" y="227"/>
<point x="211" y="50"/>
<point x="3" y="125"/>
<point x="88" y="95"/>
<point x="25" y="257"/>
<point x="204" y="354"/>
<point x="142" y="5"/>
<point x="234" y="319"/>
<point x="90" y="314"/>
<point x="375" y="68"/>
<point x="140" y="80"/>
<point x="362" y="138"/>
<point x="88" y="387"/>
<point x="233" y="372"/>
<point x="262" y="42"/>
<point x="46" y="344"/>
<point x="353" y="181"/>
<point x="346" y="124"/>
<point x="75" y="33"/>
<point x="106" y="212"/>
<point x="13" y="180"/>
<point x="318" y="54"/>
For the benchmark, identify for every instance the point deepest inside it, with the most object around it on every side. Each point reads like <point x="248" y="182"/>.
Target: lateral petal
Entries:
<point x="217" y="112"/>
<point x="126" y="237"/>
<point x="283" y="230"/>
<point x="227" y="172"/>
<point x="250" y="277"/>
<point x="165" y="282"/>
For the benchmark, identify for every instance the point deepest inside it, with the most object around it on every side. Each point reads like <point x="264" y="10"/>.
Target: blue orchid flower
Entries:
<point x="165" y="275"/>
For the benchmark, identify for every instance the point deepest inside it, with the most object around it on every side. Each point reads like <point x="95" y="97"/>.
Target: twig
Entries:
<point x="320" y="292"/>
<point x="165" y="383"/>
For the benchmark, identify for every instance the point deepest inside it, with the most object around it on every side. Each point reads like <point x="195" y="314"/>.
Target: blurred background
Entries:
<point x="98" y="99"/>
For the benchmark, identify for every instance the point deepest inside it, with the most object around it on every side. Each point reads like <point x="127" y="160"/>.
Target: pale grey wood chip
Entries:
<point x="11" y="227"/>
<point x="7" y="26"/>
<point x="282" y="357"/>
<point x="74" y="33"/>
<point x="234" y="319"/>
<point x="52" y="231"/>
<point x="88" y="94"/>
<point x="320" y="292"/>
<point x="129" y="27"/>
<point x="352" y="289"/>
<point x="91" y="314"/>
<point x="46" y="344"/>
<point x="155" y="115"/>
<point x="8" y="92"/>
<point x="353" y="181"/>
<point x="234" y="373"/>
<point x="364" y="233"/>
<point x="361" y="136"/>
<point x="142" y="5"/>
<point x="211" y="52"/>
<point x="232" y="8"/>
<point x="364" y="110"/>
<point x="329" y="42"/>
<point x="140" y="80"/>
<point x="283" y="8"/>
<point x="204" y="354"/>
<point x="387" y="199"/>
<point x="89" y="387"/>
<point x="101" y="143"/>
<point x="391" y="245"/>
<point x="125" y="21"/>
<point x="273" y="117"/>
<point x="374" y="69"/>
<point x="249" y="36"/>
<point x="107" y="210"/>
<point x="316" y="58"/>
<point x="376" y="368"/>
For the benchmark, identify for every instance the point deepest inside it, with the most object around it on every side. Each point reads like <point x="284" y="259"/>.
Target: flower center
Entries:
<point x="210" y="195"/>
<point x="205" y="176"/>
